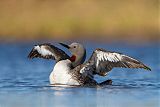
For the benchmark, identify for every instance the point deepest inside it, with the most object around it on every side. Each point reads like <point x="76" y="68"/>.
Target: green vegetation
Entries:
<point x="63" y="19"/>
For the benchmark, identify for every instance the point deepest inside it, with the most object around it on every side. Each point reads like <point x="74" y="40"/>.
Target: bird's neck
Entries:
<point x="72" y="58"/>
<point x="78" y="59"/>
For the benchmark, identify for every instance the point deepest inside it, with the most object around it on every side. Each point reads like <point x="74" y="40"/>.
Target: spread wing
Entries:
<point x="47" y="51"/>
<point x="102" y="61"/>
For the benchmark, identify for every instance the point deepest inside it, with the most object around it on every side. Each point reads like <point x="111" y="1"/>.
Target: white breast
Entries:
<point x="60" y="74"/>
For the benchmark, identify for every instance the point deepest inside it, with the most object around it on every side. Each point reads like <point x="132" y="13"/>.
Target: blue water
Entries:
<point x="24" y="82"/>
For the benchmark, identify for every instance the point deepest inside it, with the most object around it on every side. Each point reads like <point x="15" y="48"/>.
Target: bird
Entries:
<point x="73" y="70"/>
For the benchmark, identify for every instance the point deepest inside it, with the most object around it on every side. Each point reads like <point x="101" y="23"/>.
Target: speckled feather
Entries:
<point x="48" y="51"/>
<point x="102" y="61"/>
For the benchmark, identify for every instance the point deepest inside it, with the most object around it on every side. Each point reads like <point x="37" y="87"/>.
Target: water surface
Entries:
<point x="25" y="83"/>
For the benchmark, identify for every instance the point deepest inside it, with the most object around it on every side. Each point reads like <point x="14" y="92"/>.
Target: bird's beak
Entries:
<point x="66" y="46"/>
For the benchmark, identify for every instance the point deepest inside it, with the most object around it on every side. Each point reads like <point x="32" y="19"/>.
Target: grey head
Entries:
<point x="78" y="53"/>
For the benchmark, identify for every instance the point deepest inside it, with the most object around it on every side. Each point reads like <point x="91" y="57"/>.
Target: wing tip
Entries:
<point x="31" y="57"/>
<point x="33" y="54"/>
<point x="147" y="68"/>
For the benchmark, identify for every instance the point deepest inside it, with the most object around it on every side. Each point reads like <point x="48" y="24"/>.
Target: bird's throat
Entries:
<point x="72" y="58"/>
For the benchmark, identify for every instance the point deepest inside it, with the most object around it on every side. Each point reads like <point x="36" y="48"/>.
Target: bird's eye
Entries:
<point x="74" y="46"/>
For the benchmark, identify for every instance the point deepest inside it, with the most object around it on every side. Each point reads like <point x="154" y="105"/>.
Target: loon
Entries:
<point x="74" y="71"/>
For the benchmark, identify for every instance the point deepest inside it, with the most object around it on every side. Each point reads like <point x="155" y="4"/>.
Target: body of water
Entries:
<point x="25" y="83"/>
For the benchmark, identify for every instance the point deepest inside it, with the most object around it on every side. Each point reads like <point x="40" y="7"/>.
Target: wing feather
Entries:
<point x="47" y="51"/>
<point x="104" y="61"/>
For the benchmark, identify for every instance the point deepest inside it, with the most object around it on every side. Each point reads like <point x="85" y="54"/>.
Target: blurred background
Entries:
<point x="100" y="20"/>
<point x="126" y="26"/>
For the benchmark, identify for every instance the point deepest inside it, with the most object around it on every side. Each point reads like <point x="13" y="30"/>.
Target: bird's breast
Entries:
<point x="60" y="73"/>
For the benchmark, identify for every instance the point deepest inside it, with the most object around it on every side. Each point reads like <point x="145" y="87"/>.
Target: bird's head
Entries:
<point x="78" y="52"/>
